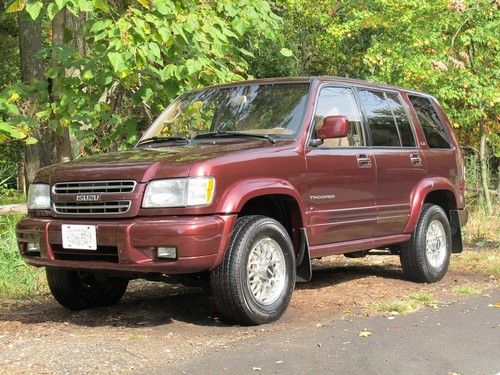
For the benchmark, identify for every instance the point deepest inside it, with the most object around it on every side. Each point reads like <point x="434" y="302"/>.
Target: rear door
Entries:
<point x="441" y="156"/>
<point x="400" y="164"/>
<point x="341" y="174"/>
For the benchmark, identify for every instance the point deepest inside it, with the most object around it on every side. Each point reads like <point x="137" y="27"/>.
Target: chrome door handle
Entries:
<point x="364" y="161"/>
<point x="415" y="160"/>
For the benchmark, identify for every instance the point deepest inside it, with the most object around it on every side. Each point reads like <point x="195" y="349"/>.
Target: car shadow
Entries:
<point x="334" y="275"/>
<point x="149" y="304"/>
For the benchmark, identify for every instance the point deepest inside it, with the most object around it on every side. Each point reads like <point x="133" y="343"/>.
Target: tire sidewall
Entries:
<point x="264" y="228"/>
<point x="434" y="213"/>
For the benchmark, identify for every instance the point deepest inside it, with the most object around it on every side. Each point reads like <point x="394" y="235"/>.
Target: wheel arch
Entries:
<point x="438" y="191"/>
<point x="274" y="198"/>
<point x="247" y="193"/>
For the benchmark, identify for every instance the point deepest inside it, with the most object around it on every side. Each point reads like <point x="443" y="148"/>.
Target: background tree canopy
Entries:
<point x="87" y="76"/>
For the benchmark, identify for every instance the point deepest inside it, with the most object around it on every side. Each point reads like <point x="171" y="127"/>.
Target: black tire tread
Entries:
<point x="64" y="286"/>
<point x="226" y="289"/>
<point x="412" y="257"/>
<point x="221" y="288"/>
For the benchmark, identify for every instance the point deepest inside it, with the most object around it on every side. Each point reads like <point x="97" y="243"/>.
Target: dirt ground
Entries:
<point x="159" y="324"/>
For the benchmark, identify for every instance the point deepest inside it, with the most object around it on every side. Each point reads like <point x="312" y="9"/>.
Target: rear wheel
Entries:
<point x="78" y="290"/>
<point x="426" y="257"/>
<point x="254" y="283"/>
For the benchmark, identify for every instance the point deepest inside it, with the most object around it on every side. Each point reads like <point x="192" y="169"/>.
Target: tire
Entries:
<point x="79" y="290"/>
<point x="239" y="282"/>
<point x="426" y="256"/>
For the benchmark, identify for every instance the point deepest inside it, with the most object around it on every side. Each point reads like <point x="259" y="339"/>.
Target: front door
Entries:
<point x="341" y="176"/>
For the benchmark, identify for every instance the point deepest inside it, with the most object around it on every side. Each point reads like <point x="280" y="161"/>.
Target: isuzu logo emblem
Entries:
<point x="88" y="197"/>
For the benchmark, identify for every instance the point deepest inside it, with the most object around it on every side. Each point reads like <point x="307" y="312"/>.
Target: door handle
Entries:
<point x="415" y="160"/>
<point x="364" y="161"/>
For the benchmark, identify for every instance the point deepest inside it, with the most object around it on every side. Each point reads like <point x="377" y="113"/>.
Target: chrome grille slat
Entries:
<point x="85" y="208"/>
<point x="103" y="187"/>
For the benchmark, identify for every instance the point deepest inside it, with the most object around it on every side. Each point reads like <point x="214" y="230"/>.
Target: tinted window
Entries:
<point x="275" y="110"/>
<point x="433" y="128"/>
<point x="334" y="101"/>
<point x="380" y="120"/>
<point x="404" y="127"/>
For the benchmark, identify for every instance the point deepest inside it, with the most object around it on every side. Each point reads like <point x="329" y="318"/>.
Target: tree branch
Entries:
<point x="458" y="31"/>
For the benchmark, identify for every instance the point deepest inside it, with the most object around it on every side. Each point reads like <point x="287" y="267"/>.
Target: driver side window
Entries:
<point x="334" y="101"/>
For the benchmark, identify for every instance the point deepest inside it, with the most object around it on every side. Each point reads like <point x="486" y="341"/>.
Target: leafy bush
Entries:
<point x="17" y="279"/>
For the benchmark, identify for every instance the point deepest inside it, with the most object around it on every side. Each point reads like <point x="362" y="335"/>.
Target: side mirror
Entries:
<point x="333" y="127"/>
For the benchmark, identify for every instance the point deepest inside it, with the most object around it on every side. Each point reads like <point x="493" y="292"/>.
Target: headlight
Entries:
<point x="38" y="197"/>
<point x="179" y="192"/>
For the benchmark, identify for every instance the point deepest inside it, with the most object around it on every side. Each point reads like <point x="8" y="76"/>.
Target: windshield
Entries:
<point x="270" y="110"/>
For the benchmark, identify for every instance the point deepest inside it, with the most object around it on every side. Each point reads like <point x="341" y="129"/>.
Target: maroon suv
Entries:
<point x="244" y="184"/>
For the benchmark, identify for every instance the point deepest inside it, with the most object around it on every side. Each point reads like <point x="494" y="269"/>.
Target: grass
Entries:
<point x="482" y="230"/>
<point x="17" y="279"/>
<point x="407" y="305"/>
<point x="477" y="261"/>
<point x="466" y="290"/>
<point x="11" y="196"/>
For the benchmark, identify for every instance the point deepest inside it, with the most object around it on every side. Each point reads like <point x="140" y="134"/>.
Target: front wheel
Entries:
<point x="78" y="290"/>
<point x="255" y="281"/>
<point x="426" y="257"/>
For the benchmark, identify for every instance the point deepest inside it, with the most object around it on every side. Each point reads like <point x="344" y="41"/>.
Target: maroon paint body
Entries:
<point x="377" y="195"/>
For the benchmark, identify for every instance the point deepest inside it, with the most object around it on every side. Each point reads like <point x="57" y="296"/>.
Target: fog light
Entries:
<point x="166" y="252"/>
<point x="33" y="247"/>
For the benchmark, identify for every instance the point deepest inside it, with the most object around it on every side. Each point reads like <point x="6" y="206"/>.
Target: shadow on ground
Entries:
<point x="149" y="304"/>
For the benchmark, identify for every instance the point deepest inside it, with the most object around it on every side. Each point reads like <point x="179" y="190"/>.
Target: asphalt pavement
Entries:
<point x="462" y="337"/>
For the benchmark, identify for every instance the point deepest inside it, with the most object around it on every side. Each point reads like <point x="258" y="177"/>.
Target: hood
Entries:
<point x="142" y="164"/>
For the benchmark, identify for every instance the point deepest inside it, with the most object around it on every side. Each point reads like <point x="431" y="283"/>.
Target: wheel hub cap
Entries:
<point x="266" y="271"/>
<point x="435" y="244"/>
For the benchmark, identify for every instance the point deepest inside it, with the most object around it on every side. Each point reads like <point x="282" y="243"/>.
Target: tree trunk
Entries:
<point x="30" y="43"/>
<point x="74" y="25"/>
<point x="21" y="177"/>
<point x="483" y="161"/>
<point x="63" y="142"/>
<point x="66" y="28"/>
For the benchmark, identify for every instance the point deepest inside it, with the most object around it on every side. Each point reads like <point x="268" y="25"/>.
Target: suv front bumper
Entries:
<point x="130" y="244"/>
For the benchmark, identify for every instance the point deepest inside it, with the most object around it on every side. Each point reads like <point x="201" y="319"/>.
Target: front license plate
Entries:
<point x="82" y="237"/>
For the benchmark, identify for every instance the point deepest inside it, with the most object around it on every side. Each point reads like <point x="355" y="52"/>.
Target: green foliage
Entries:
<point x="11" y="196"/>
<point x="10" y="161"/>
<point x="18" y="111"/>
<point x="143" y="53"/>
<point x="9" y="53"/>
<point x="325" y="37"/>
<point x="139" y="58"/>
<point x="17" y="279"/>
<point x="448" y="48"/>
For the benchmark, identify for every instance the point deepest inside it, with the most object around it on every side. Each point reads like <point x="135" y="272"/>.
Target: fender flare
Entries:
<point x="236" y="196"/>
<point x="418" y="194"/>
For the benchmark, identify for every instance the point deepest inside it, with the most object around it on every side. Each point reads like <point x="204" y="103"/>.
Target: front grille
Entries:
<point x="102" y="254"/>
<point x="112" y="186"/>
<point x="85" y="208"/>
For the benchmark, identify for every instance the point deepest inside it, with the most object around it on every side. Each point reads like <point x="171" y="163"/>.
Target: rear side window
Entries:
<point x="380" y="120"/>
<point x="404" y="126"/>
<point x="433" y="128"/>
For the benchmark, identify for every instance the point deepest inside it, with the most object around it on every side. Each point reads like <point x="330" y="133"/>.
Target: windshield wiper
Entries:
<point x="153" y="140"/>
<point x="225" y="134"/>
